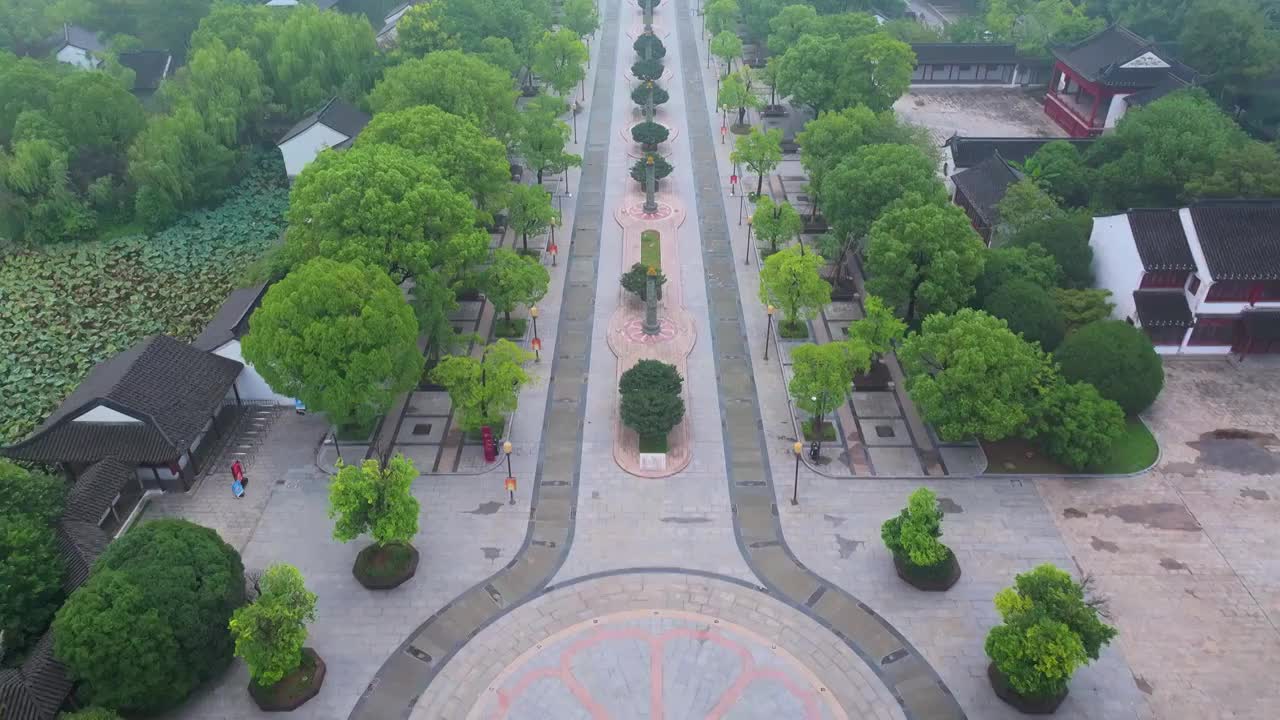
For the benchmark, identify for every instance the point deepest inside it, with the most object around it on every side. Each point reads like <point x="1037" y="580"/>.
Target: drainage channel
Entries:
<point x="407" y="673"/>
<point x="915" y="684"/>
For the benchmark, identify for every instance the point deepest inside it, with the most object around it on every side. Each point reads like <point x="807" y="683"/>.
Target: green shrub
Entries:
<point x="647" y="69"/>
<point x="92" y="713"/>
<point x="914" y="533"/>
<point x="1030" y="311"/>
<point x="151" y="624"/>
<point x="1049" y="630"/>
<point x="634" y="281"/>
<point x="269" y="632"/>
<point x="651" y="401"/>
<point x="1117" y="359"/>
<point x="641" y="95"/>
<point x="650" y="133"/>
<point x="36" y="495"/>
<point x="650" y="42"/>
<point x="1077" y="426"/>
<point x="31" y="570"/>
<point x="661" y="169"/>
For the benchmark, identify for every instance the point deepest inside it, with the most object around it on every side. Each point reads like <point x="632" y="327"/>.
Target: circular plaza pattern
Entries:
<point x="659" y="646"/>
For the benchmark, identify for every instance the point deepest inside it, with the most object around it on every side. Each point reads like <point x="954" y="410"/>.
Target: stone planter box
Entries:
<point x="930" y="579"/>
<point x="383" y="582"/>
<point x="1025" y="705"/>
<point x="294" y="689"/>
<point x="656" y="462"/>
<point x="773" y="111"/>
<point x="876" y="378"/>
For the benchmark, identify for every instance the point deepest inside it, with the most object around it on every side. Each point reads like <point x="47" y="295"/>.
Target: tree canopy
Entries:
<point x="832" y="137"/>
<point x="558" y="59"/>
<point x="760" y="152"/>
<point x="514" y="279"/>
<point x="542" y="136"/>
<point x="1076" y="425"/>
<point x="1117" y="359"/>
<point x="822" y="375"/>
<point x="971" y="376"/>
<point x="338" y="336"/>
<point x="789" y="280"/>
<point x="833" y="73"/>
<point x="270" y="631"/>
<point x="483" y="391"/>
<point x="1030" y="310"/>
<point x="776" y="222"/>
<point x="317" y="54"/>
<point x="859" y="189"/>
<point x="924" y="260"/>
<point x="370" y="498"/>
<point x="455" y="82"/>
<point x="151" y="624"/>
<point x="650" y="398"/>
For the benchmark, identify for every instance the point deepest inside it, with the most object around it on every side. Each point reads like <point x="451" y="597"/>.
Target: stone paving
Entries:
<point x="977" y="112"/>
<point x="1186" y="553"/>
<point x="654" y="645"/>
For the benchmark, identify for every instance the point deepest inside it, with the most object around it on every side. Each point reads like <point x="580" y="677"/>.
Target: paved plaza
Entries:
<point x="709" y="593"/>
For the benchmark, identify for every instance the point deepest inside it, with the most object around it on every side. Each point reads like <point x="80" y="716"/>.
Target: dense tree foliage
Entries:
<point x="833" y="73"/>
<point x="559" y="59"/>
<point x="338" y="336"/>
<point x="971" y="376"/>
<point x="150" y="625"/>
<point x="31" y="568"/>
<point x="734" y="94"/>
<point x="483" y="391"/>
<point x="1065" y="237"/>
<point x="913" y="534"/>
<point x="1081" y="307"/>
<point x="1030" y="310"/>
<point x="822" y="376"/>
<point x="863" y="185"/>
<point x="776" y="222"/>
<point x="1077" y="426"/>
<point x="455" y="82"/>
<point x="636" y="281"/>
<point x="790" y="281"/>
<point x="514" y="279"/>
<point x="370" y="498"/>
<point x="541" y="137"/>
<point x="1117" y="359"/>
<point x="759" y="152"/>
<point x="1009" y="263"/>
<point x="270" y="631"/>
<point x="1059" y="169"/>
<point x="924" y="260"/>
<point x="650" y="401"/>
<point x="832" y="137"/>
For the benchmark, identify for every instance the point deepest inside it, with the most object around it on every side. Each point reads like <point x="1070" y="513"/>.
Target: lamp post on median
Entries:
<point x="768" y="330"/>
<point x="506" y="449"/>
<point x="795" y="485"/>
<point x="747" y="260"/>
<point x="537" y="344"/>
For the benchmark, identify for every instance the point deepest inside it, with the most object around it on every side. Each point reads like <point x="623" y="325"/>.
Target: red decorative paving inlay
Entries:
<point x="637" y="212"/>
<point x="634" y="331"/>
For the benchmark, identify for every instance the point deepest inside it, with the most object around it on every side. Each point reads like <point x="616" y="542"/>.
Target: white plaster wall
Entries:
<point x="303" y="148"/>
<point x="1115" y="111"/>
<point x="1116" y="264"/>
<point x="104" y="414"/>
<point x="77" y="56"/>
<point x="250" y="384"/>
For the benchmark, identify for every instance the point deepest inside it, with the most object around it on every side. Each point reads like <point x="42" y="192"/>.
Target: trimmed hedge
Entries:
<point x="647" y="69"/>
<point x="650" y="133"/>
<point x="649" y="41"/>
<point x="641" y="95"/>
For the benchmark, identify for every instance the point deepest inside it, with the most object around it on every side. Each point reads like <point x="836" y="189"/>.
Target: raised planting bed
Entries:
<point x="293" y="689"/>
<point x="876" y="378"/>
<point x="793" y="331"/>
<point x="773" y="111"/>
<point x="651" y="249"/>
<point x="930" y="578"/>
<point x="513" y="329"/>
<point x="828" y="431"/>
<point x="1134" y="451"/>
<point x="1026" y="705"/>
<point x="740" y="129"/>
<point x="386" y="566"/>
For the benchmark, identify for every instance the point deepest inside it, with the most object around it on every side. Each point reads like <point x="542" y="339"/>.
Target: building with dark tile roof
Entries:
<point x="37" y="689"/>
<point x="979" y="189"/>
<point x="969" y="151"/>
<point x="976" y="64"/>
<point x="150" y="69"/>
<point x="1199" y="280"/>
<point x="335" y="125"/>
<point x="1093" y="79"/>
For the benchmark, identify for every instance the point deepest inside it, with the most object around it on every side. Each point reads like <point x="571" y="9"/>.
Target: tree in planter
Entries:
<point x="1049" y="630"/>
<point x="483" y="391"/>
<point x="822" y="377"/>
<point x="338" y="336"/>
<point x="370" y="498"/>
<point x="514" y="279"/>
<point x="790" y="280"/>
<point x="1076" y="426"/>
<point x="924" y="260"/>
<point x="776" y="221"/>
<point x="650" y="44"/>
<point x="727" y="46"/>
<point x="640" y="95"/>
<point x="150" y="625"/>
<point x="647" y="70"/>
<point x="649" y="134"/>
<point x="270" y="631"/>
<point x="558" y="59"/>
<point x="734" y="93"/>
<point x="530" y="211"/>
<point x="651" y="402"/>
<point x="1117" y="359"/>
<point x="912" y="537"/>
<point x="661" y="169"/>
<point x="760" y="152"/>
<point x="879" y="329"/>
<point x="1030" y="311"/>
<point x="636" y="281"/>
<point x="970" y="376"/>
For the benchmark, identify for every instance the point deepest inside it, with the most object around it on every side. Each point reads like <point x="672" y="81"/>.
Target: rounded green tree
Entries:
<point x="636" y="281"/>
<point x="650" y="134"/>
<point x="483" y="391"/>
<point x="1076" y="426"/>
<point x="151" y="624"/>
<point x="369" y="498"/>
<point x="790" y="281"/>
<point x="1049" y="630"/>
<point x="31" y="568"/>
<point x="648" y="42"/>
<point x="1030" y="311"/>
<point x="912" y="538"/>
<point x="269" y="634"/>
<point x="647" y="69"/>
<point x="651" y="402"/>
<point x="1117" y="359"/>
<point x="661" y="169"/>
<point x="514" y="279"/>
<point x="640" y="95"/>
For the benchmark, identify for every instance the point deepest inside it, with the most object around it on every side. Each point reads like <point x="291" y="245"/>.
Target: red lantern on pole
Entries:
<point x="511" y="489"/>
<point x="537" y="349"/>
<point x="553" y="249"/>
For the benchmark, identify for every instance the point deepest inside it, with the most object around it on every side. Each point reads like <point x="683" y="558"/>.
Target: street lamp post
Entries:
<point x="795" y="485"/>
<point x="506" y="448"/>
<point x="537" y="344"/>
<point x="747" y="260"/>
<point x="768" y="330"/>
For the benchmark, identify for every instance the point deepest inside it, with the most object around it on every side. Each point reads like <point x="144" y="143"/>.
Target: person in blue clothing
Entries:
<point x="237" y="488"/>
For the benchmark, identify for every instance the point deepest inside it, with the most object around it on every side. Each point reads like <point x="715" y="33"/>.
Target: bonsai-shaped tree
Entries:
<point x="640" y="95"/>
<point x="661" y="169"/>
<point x="635" y="281"/>
<point x="483" y="391"/>
<point x="822" y="376"/>
<point x="270" y="631"/>
<point x="1050" y="629"/>
<point x="649" y="134"/>
<point x="150" y="625"/>
<point x="790" y="281"/>
<point x="776" y="222"/>
<point x="370" y="498"/>
<point x="879" y="329"/>
<point x="912" y="537"/>
<point x="647" y="69"/>
<point x="1116" y="358"/>
<point x="651" y="403"/>
<point x="651" y="43"/>
<point x="514" y="279"/>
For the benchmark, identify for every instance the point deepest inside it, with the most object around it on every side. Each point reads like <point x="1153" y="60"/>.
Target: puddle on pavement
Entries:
<point x="1240" y="451"/>
<point x="1157" y="516"/>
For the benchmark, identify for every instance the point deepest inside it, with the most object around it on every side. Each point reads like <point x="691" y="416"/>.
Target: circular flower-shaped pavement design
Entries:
<point x="636" y="212"/>
<point x="634" y="331"/>
<point x="657" y="664"/>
